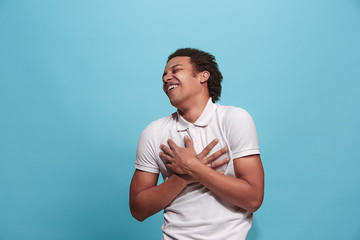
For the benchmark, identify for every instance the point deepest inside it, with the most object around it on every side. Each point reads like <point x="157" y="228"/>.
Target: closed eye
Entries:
<point x="176" y="70"/>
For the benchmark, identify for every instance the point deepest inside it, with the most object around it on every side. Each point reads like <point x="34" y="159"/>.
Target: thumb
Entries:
<point x="188" y="142"/>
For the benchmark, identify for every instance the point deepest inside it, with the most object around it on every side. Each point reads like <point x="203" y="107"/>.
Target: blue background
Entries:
<point x="80" y="80"/>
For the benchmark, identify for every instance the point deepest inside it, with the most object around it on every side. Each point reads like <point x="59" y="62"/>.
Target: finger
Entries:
<point x="165" y="157"/>
<point x="166" y="150"/>
<point x="169" y="166"/>
<point x="172" y="144"/>
<point x="208" y="148"/>
<point x="216" y="155"/>
<point x="219" y="163"/>
<point x="188" y="142"/>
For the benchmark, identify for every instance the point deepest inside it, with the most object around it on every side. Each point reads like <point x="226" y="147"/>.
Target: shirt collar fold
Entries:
<point x="202" y="121"/>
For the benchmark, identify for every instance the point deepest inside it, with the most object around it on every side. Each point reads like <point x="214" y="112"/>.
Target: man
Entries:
<point x="208" y="155"/>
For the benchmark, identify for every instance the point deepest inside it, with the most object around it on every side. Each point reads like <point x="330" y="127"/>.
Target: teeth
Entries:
<point x="172" y="87"/>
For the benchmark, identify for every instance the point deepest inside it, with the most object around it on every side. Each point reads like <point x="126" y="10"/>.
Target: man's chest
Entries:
<point x="201" y="137"/>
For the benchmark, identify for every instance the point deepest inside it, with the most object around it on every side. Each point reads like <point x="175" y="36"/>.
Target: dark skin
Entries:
<point x="148" y="198"/>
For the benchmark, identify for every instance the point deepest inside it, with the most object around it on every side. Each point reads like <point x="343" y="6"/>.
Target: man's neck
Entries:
<point x="192" y="112"/>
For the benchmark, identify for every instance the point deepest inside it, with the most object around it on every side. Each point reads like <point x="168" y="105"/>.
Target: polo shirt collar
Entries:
<point x="202" y="121"/>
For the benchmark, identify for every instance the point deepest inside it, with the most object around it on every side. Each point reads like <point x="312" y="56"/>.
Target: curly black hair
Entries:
<point x="203" y="61"/>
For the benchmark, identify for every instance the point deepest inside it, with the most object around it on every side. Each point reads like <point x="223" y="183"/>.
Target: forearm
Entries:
<point x="236" y="191"/>
<point x="150" y="201"/>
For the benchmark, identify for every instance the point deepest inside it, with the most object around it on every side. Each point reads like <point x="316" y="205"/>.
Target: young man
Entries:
<point x="208" y="155"/>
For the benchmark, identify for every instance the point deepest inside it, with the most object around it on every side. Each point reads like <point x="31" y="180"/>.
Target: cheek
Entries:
<point x="177" y="76"/>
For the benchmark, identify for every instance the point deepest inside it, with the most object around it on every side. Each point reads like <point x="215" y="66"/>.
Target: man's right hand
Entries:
<point x="209" y="160"/>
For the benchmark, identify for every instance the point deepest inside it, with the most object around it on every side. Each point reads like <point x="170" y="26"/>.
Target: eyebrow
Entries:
<point x="176" y="65"/>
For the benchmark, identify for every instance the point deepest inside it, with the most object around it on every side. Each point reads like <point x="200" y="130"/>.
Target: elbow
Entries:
<point x="137" y="215"/>
<point x="254" y="207"/>
<point x="255" y="204"/>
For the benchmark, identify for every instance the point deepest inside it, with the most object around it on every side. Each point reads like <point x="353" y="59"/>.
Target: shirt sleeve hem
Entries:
<point x="146" y="168"/>
<point x="246" y="153"/>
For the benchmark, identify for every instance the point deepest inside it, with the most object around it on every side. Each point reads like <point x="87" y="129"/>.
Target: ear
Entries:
<point x="204" y="76"/>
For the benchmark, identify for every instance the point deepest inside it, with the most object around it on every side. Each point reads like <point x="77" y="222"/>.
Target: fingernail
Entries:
<point x="216" y="139"/>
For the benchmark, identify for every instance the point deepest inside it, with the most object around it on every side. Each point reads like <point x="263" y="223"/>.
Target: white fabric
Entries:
<point x="197" y="213"/>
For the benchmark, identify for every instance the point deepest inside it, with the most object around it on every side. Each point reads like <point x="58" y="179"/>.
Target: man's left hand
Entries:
<point x="179" y="160"/>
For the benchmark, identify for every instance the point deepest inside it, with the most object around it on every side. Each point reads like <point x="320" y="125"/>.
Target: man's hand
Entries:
<point x="179" y="160"/>
<point x="209" y="160"/>
<point x="182" y="160"/>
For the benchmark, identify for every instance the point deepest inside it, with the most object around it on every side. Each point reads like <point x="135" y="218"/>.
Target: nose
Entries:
<point x="167" y="77"/>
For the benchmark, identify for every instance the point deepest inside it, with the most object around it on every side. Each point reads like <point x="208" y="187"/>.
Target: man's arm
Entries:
<point x="245" y="191"/>
<point x="148" y="198"/>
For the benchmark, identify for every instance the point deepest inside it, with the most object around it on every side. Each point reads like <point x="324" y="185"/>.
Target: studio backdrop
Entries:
<point x="80" y="80"/>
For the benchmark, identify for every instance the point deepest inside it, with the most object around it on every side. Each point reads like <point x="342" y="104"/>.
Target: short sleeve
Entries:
<point x="241" y="132"/>
<point x="146" y="152"/>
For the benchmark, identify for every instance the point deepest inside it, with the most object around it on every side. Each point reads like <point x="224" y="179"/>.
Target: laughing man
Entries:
<point x="207" y="154"/>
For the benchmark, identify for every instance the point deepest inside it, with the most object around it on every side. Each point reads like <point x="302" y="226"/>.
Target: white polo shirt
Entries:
<point x="197" y="213"/>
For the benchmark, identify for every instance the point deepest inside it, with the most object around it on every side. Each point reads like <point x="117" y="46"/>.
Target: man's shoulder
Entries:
<point x="232" y="111"/>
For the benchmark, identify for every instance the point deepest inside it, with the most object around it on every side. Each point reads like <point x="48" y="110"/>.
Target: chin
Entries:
<point x="174" y="102"/>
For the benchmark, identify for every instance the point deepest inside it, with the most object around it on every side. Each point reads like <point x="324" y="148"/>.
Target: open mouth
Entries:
<point x="171" y="87"/>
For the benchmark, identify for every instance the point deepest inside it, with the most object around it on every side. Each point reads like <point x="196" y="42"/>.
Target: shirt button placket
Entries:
<point x="196" y="139"/>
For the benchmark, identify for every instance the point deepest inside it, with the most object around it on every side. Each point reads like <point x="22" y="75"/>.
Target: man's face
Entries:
<point x="180" y="81"/>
